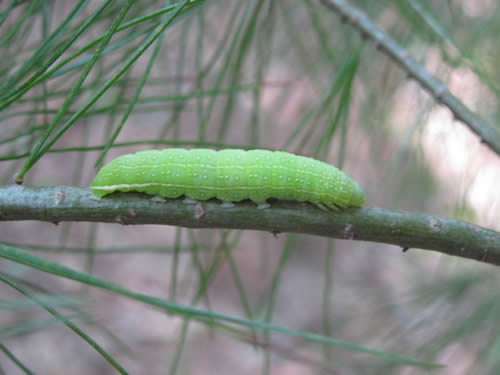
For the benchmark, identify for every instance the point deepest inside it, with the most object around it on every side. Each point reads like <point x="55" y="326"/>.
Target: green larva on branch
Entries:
<point x="229" y="175"/>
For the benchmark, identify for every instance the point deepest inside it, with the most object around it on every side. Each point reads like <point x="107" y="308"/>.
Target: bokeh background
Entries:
<point x="278" y="74"/>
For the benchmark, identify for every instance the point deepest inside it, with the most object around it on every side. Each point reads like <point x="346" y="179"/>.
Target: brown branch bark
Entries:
<point x="404" y="229"/>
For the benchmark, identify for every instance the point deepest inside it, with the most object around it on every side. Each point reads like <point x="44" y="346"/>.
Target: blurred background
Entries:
<point x="277" y="74"/>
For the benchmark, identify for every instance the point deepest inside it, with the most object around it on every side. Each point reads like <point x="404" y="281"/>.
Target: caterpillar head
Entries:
<point x="357" y="197"/>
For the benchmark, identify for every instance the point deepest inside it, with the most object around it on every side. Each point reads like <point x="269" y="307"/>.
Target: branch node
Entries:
<point x="438" y="95"/>
<point x="59" y="197"/>
<point x="348" y="232"/>
<point x="199" y="211"/>
<point x="435" y="224"/>
<point x="121" y="220"/>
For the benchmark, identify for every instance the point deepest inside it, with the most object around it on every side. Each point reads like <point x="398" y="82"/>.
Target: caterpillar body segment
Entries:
<point x="230" y="175"/>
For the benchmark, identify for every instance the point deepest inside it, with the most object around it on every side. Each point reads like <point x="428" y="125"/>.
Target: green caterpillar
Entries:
<point x="229" y="175"/>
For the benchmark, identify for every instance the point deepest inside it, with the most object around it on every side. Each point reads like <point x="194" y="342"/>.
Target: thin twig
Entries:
<point x="487" y="134"/>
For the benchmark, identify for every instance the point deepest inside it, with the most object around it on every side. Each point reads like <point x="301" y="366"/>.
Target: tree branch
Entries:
<point x="404" y="229"/>
<point x="487" y="134"/>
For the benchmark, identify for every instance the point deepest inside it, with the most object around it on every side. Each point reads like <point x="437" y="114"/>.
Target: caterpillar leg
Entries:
<point x="336" y="207"/>
<point x="321" y="206"/>
<point x="261" y="204"/>
<point x="328" y="206"/>
<point x="158" y="198"/>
